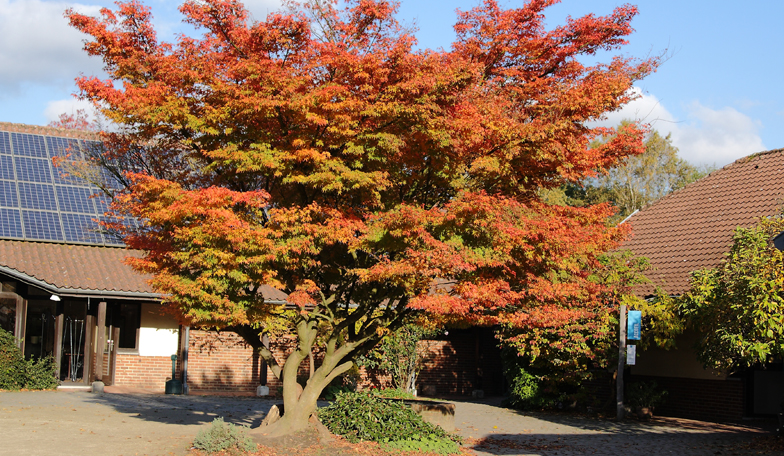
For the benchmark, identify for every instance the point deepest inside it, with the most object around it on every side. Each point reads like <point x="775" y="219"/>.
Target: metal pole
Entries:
<point x="621" y="364"/>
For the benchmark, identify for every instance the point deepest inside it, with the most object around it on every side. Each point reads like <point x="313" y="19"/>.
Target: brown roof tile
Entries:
<point x="692" y="228"/>
<point x="48" y="131"/>
<point x="83" y="268"/>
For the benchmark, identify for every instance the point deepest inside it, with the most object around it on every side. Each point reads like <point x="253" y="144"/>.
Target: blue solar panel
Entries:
<point x="10" y="223"/>
<point x="29" y="145"/>
<point x="42" y="225"/>
<point x="5" y="143"/>
<point x="6" y="167"/>
<point x="37" y="196"/>
<point x="38" y="202"/>
<point x="62" y="147"/>
<point x="75" y="199"/>
<point x="63" y="174"/>
<point x="81" y="228"/>
<point x="8" y="194"/>
<point x="33" y="169"/>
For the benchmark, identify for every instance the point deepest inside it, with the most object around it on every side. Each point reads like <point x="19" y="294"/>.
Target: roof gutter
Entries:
<point x="76" y="292"/>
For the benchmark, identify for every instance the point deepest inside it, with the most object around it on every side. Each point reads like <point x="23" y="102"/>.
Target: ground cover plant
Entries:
<point x="17" y="373"/>
<point x="363" y="416"/>
<point x="318" y="152"/>
<point x="222" y="436"/>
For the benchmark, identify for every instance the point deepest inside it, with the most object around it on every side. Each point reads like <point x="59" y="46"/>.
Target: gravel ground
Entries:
<point x="85" y="424"/>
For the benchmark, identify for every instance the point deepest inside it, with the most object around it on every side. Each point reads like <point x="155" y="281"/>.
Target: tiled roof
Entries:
<point x="692" y="228"/>
<point x="82" y="269"/>
<point x="48" y="131"/>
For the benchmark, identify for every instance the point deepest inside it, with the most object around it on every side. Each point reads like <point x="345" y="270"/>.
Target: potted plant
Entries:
<point x="643" y="397"/>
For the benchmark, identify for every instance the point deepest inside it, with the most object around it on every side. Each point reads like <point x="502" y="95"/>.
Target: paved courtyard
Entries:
<point x="85" y="424"/>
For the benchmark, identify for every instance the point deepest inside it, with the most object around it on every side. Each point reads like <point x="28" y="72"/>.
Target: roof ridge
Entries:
<point x="741" y="161"/>
<point x="48" y="131"/>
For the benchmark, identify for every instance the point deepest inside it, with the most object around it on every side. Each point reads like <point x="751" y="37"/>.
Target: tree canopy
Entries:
<point x="319" y="152"/>
<point x="738" y="306"/>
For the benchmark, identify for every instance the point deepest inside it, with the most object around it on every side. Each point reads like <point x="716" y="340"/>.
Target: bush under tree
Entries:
<point x="17" y="373"/>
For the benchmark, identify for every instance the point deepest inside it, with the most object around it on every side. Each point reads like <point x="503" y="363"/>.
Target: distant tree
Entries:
<point x="738" y="306"/>
<point x="79" y="120"/>
<point x="635" y="182"/>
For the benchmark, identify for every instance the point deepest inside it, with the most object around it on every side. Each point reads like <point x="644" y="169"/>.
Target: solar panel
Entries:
<point x="6" y="167"/>
<point x="63" y="147"/>
<point x="44" y="226"/>
<point x="75" y="199"/>
<point x="10" y="223"/>
<point x="33" y="169"/>
<point x="8" y="194"/>
<point x="37" y="196"/>
<point x="38" y="202"/>
<point x="5" y="143"/>
<point x="29" y="145"/>
<point x="81" y="228"/>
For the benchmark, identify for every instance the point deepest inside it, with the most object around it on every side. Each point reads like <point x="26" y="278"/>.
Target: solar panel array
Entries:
<point x="39" y="201"/>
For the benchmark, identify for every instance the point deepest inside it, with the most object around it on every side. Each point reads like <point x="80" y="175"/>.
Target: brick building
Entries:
<point x="691" y="229"/>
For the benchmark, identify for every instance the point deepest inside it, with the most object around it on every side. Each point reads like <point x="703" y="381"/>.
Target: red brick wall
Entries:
<point x="223" y="362"/>
<point x="149" y="372"/>
<point x="712" y="400"/>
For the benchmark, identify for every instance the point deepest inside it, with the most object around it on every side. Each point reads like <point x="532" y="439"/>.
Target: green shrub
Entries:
<point x="361" y="416"/>
<point x="525" y="392"/>
<point x="332" y="391"/>
<point x="393" y="393"/>
<point x="17" y="373"/>
<point x="13" y="369"/>
<point x="440" y="445"/>
<point x="223" y="436"/>
<point x="644" y="394"/>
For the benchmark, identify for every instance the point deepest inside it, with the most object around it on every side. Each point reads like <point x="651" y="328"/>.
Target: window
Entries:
<point x="127" y="317"/>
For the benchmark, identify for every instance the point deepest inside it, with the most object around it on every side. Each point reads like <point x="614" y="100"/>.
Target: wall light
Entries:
<point x="54" y="297"/>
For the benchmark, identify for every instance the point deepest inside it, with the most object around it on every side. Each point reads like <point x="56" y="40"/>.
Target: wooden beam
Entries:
<point x="59" y="323"/>
<point x="89" y="349"/>
<point x="20" y="330"/>
<point x="101" y="344"/>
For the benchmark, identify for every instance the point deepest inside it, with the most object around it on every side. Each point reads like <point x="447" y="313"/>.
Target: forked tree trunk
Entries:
<point x="300" y="403"/>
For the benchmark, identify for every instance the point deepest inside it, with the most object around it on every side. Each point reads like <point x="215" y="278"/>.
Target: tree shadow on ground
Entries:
<point x="178" y="409"/>
<point x="571" y="433"/>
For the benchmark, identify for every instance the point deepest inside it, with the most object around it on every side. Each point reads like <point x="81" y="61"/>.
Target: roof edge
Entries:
<point x="76" y="292"/>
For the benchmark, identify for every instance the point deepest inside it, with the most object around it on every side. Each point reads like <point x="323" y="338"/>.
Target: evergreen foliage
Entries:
<point x="17" y="373"/>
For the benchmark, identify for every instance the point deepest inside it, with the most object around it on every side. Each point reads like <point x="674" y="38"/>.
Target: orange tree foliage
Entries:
<point x="319" y="152"/>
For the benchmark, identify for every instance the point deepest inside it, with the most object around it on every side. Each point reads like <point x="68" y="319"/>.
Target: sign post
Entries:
<point x="621" y="359"/>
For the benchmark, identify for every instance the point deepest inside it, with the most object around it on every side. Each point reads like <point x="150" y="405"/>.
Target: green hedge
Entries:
<point x="361" y="416"/>
<point x="17" y="373"/>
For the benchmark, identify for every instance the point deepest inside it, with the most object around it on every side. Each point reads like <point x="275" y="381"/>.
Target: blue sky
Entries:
<point x="718" y="92"/>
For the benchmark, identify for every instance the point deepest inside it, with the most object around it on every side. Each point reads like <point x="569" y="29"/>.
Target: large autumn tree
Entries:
<point x="319" y="152"/>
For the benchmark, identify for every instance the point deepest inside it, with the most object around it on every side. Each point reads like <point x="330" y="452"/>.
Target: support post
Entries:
<point x="89" y="349"/>
<point x="101" y="344"/>
<point x="185" y="341"/>
<point x="621" y="364"/>
<point x="20" y="329"/>
<point x="59" y="323"/>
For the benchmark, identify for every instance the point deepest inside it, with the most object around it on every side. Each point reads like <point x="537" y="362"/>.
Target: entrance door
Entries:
<point x="111" y="363"/>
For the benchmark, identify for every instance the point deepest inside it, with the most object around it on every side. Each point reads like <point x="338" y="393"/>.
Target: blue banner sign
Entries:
<point x="634" y="325"/>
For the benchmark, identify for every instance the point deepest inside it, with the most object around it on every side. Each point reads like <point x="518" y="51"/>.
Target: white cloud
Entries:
<point x="717" y="136"/>
<point x="260" y="8"/>
<point x="37" y="46"/>
<point x="67" y="106"/>
<point x="707" y="136"/>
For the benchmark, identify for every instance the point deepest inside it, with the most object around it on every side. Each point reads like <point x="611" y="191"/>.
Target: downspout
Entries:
<point x="187" y="339"/>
